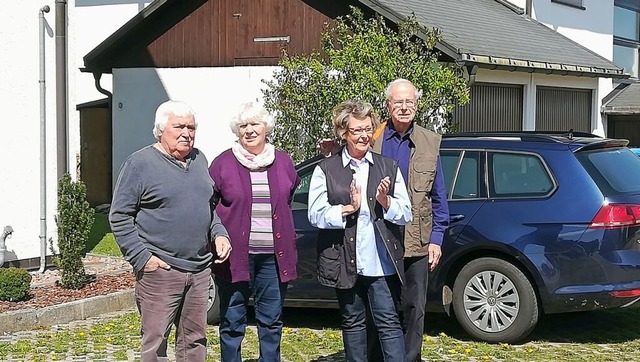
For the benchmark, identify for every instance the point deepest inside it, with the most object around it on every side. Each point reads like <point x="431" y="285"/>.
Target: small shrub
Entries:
<point x="75" y="218"/>
<point x="14" y="284"/>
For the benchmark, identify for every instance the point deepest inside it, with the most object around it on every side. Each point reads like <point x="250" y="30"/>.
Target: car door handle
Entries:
<point x="456" y="218"/>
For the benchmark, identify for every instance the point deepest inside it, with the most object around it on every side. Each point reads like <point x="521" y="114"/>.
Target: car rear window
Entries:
<point x="616" y="171"/>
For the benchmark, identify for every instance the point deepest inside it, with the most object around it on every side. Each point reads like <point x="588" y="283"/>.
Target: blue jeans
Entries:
<point x="268" y="295"/>
<point x="378" y="298"/>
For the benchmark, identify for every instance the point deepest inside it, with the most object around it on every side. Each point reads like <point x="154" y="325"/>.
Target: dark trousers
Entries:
<point x="376" y="298"/>
<point x="269" y="296"/>
<point x="171" y="297"/>
<point x="413" y="299"/>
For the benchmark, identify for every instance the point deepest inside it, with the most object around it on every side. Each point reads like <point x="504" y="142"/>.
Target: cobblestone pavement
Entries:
<point x="313" y="335"/>
<point x="90" y="340"/>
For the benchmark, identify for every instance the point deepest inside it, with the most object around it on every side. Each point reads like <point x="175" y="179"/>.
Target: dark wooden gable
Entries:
<point x="206" y="33"/>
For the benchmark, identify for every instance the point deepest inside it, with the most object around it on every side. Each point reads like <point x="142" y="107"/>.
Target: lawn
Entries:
<point x="595" y="336"/>
<point x="101" y="240"/>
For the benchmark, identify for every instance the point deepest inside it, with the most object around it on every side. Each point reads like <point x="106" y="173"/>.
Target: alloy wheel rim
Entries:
<point x="491" y="301"/>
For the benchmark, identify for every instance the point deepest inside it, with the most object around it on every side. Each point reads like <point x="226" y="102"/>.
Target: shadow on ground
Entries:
<point x="605" y="326"/>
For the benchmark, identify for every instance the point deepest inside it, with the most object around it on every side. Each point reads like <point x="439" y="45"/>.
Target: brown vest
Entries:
<point x="425" y="146"/>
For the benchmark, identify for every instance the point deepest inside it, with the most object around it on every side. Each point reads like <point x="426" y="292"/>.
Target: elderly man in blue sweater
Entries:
<point x="164" y="222"/>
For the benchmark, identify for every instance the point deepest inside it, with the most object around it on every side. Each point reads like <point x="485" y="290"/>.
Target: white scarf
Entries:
<point x="251" y="161"/>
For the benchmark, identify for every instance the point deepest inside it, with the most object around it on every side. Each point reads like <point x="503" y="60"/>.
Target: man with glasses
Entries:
<point x="417" y="151"/>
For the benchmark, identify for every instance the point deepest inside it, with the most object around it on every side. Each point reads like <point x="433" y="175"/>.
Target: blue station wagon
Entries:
<point x="539" y="223"/>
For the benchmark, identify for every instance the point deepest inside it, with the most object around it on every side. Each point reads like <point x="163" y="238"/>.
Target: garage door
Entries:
<point x="562" y="109"/>
<point x="627" y="127"/>
<point x="493" y="107"/>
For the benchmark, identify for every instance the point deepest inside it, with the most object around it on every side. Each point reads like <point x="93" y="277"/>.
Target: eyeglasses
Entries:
<point x="410" y="103"/>
<point x="361" y="131"/>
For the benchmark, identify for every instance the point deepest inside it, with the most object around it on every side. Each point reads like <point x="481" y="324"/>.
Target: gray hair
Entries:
<point x="168" y="109"/>
<point x="357" y="109"/>
<point x="387" y="91"/>
<point x="252" y="111"/>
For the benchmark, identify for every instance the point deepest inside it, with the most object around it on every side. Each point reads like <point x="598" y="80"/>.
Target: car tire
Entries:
<point x="507" y="316"/>
<point x="213" y="303"/>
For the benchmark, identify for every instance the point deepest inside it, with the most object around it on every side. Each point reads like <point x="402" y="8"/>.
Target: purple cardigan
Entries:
<point x="233" y="188"/>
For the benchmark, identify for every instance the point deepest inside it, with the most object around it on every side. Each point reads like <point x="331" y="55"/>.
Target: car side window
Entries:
<point x="449" y="160"/>
<point x="518" y="175"/>
<point x="301" y="195"/>
<point x="461" y="173"/>
<point x="466" y="186"/>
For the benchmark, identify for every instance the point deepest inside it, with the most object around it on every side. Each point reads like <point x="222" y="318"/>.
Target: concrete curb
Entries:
<point x="23" y="320"/>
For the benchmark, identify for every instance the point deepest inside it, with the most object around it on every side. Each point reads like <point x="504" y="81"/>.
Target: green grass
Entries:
<point x="596" y="336"/>
<point x="101" y="240"/>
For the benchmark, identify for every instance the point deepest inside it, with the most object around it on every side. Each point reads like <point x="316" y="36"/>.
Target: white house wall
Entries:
<point x="89" y="23"/>
<point x="532" y="80"/>
<point x="20" y="169"/>
<point x="95" y="21"/>
<point x="213" y="93"/>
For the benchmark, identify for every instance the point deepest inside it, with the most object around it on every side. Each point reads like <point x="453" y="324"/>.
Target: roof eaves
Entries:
<point x="123" y="30"/>
<point x="612" y="97"/>
<point x="394" y="16"/>
<point x="626" y="110"/>
<point x="493" y="62"/>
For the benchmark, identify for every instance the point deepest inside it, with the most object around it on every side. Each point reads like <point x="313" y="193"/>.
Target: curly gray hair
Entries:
<point x="252" y="111"/>
<point x="168" y="109"/>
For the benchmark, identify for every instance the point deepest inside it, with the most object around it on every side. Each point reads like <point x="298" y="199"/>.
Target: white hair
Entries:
<point x="252" y="111"/>
<point x="168" y="109"/>
<point x="387" y="91"/>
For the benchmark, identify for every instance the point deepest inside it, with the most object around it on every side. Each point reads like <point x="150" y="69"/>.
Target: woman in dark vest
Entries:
<point x="358" y="200"/>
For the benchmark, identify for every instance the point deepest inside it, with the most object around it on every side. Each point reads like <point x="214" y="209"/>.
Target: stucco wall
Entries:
<point x="213" y="93"/>
<point x="89" y="23"/>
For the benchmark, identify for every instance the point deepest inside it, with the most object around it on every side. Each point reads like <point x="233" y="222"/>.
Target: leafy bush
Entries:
<point x="75" y="218"/>
<point x="14" y="284"/>
<point x="358" y="58"/>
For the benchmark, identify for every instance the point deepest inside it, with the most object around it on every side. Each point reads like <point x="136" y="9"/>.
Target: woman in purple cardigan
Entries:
<point x="254" y="185"/>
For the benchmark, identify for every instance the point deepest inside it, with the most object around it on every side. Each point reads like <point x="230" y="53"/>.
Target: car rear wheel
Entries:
<point x="494" y="301"/>
<point x="213" y="303"/>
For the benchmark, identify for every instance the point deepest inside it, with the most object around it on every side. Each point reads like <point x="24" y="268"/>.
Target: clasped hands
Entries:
<point x="355" y="192"/>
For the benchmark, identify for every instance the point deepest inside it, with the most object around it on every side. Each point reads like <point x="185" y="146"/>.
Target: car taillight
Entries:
<point x="616" y="215"/>
<point x="626" y="293"/>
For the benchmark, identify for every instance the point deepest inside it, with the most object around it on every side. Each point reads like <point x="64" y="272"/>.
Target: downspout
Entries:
<point x="8" y="230"/>
<point x="528" y="8"/>
<point x="43" y="145"/>
<point x="61" y="87"/>
<point x="97" y="76"/>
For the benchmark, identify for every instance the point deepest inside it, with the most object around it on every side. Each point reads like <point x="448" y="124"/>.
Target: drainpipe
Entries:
<point x="97" y="76"/>
<point x="43" y="145"/>
<point x="8" y="230"/>
<point x="62" y="128"/>
<point x="527" y="8"/>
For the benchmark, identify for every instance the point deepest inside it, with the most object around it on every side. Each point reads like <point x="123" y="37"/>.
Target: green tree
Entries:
<point x="359" y="56"/>
<point x="75" y="218"/>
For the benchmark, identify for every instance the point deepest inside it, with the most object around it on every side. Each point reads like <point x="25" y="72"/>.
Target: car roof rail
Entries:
<point x="539" y="136"/>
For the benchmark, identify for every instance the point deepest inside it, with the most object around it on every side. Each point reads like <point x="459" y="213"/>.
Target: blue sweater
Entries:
<point x="160" y="208"/>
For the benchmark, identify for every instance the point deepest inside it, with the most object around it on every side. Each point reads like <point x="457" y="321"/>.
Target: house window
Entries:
<point x="573" y="3"/>
<point x="626" y="36"/>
